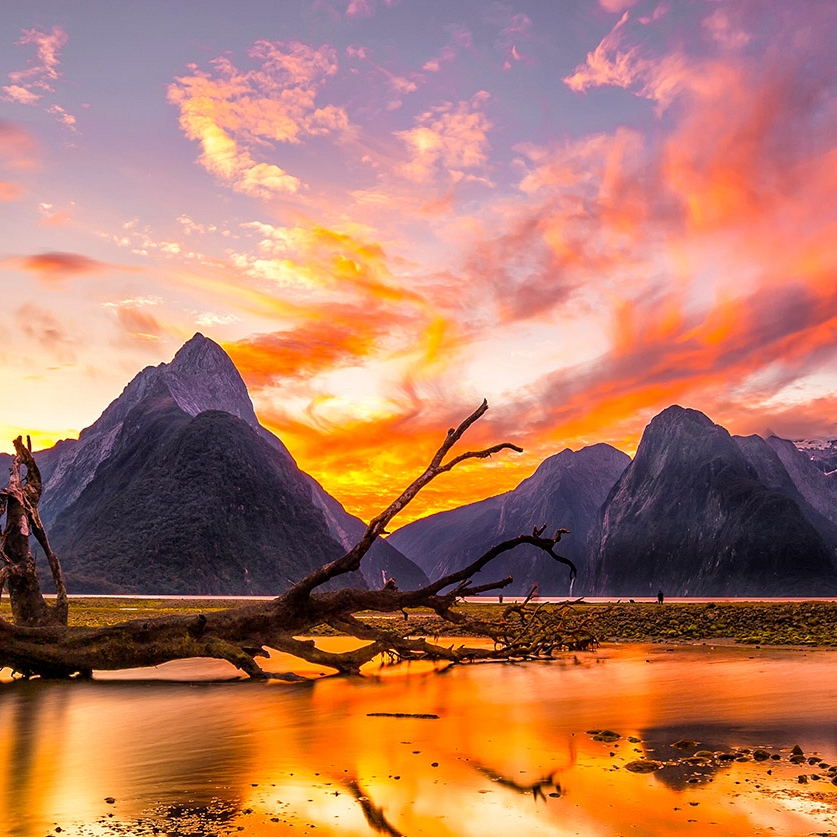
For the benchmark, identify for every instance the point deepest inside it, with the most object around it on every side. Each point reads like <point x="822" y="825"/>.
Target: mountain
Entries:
<point x="691" y="516"/>
<point x="781" y="467"/>
<point x="191" y="505"/>
<point x="821" y="452"/>
<point x="86" y="475"/>
<point x="565" y="491"/>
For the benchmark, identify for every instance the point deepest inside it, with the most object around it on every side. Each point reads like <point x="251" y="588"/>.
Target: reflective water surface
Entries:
<point x="512" y="750"/>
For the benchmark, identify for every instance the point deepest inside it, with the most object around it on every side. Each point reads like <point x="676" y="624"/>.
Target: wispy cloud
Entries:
<point x="460" y="39"/>
<point x="618" y="62"/>
<point x="42" y="326"/>
<point x="29" y="86"/>
<point x="512" y="40"/>
<point x="365" y="8"/>
<point x="17" y="152"/>
<point x="135" y="320"/>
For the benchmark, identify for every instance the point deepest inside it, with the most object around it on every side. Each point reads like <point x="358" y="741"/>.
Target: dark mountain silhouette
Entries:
<point x="565" y="491"/>
<point x="191" y="506"/>
<point x="200" y="378"/>
<point x="690" y="515"/>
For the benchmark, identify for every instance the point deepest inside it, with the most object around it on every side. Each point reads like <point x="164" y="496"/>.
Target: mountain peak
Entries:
<point x="199" y="353"/>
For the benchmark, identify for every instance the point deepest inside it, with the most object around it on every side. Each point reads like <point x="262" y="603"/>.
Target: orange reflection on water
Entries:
<point x="510" y="752"/>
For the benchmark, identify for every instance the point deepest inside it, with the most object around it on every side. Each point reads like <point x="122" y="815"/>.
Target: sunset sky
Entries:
<point x="386" y="210"/>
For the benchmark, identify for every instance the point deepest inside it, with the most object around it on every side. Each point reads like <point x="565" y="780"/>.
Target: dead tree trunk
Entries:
<point x="19" y="501"/>
<point x="40" y="643"/>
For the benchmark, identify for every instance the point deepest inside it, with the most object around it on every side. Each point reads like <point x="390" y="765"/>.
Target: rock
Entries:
<point x="761" y="755"/>
<point x="685" y="744"/>
<point x="643" y="766"/>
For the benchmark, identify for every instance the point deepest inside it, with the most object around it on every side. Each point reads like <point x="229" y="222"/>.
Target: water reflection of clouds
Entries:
<point x="509" y="752"/>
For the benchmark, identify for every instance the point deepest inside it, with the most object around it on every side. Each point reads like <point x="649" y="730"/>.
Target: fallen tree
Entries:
<point x="40" y="643"/>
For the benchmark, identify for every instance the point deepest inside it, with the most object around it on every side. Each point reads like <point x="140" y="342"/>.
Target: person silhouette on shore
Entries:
<point x="660" y="597"/>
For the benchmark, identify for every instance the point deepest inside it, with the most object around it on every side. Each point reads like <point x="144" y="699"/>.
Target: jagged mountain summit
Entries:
<point x="105" y="465"/>
<point x="691" y="515"/>
<point x="566" y="491"/>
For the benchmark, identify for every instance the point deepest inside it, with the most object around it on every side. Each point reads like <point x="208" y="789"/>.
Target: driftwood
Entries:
<point x="40" y="642"/>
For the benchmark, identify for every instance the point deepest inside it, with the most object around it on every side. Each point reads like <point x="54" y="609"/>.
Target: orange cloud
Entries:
<point x="367" y="462"/>
<point x="307" y="350"/>
<point x="708" y="244"/>
<point x="233" y="112"/>
<point x="56" y="266"/>
<point x="135" y="321"/>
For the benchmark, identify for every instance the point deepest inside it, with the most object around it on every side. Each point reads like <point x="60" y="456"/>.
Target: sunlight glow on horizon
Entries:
<point x="583" y="213"/>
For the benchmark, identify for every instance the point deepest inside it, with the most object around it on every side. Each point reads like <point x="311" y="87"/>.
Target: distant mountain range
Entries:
<point x="177" y="488"/>
<point x="696" y="513"/>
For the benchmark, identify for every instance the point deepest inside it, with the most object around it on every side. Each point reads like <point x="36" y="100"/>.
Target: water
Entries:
<point x="187" y="751"/>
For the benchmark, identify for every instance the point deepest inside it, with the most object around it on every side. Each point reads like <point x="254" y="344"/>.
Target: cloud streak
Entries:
<point x="56" y="267"/>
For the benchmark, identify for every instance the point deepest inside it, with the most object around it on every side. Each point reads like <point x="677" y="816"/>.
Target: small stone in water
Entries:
<point x="643" y="766"/>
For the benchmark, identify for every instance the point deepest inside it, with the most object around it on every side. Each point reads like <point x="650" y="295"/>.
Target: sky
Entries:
<point x="388" y="210"/>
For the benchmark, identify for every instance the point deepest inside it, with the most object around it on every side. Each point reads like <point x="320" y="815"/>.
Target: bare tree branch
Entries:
<point x="241" y="635"/>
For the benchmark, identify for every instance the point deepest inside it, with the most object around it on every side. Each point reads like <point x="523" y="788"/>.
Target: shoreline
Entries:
<point x="806" y="623"/>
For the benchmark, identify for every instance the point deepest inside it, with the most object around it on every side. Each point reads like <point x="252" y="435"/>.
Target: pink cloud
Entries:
<point x="29" y="86"/>
<point x="10" y="191"/>
<point x="618" y="63"/>
<point x="44" y="69"/>
<point x="514" y="35"/>
<point x="616" y="6"/>
<point x="17" y="148"/>
<point x="400" y="85"/>
<point x="359" y="8"/>
<point x="460" y="39"/>
<point x="364" y="8"/>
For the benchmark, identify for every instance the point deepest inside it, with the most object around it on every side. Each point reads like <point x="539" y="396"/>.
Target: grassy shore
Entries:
<point x="757" y="623"/>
